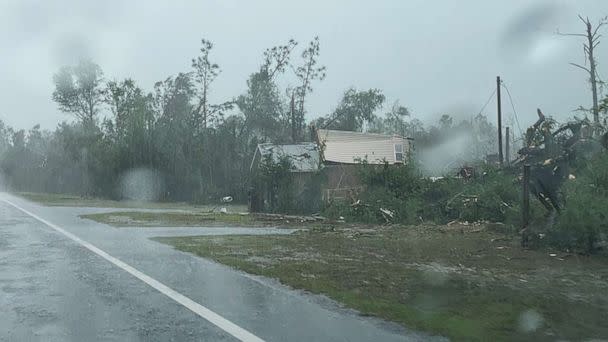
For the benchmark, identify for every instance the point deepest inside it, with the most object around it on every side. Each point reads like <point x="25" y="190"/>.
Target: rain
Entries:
<point x="303" y="171"/>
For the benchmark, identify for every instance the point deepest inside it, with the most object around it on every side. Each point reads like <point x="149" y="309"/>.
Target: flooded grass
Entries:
<point x="66" y="200"/>
<point x="469" y="286"/>
<point x="169" y="219"/>
<point x="198" y="218"/>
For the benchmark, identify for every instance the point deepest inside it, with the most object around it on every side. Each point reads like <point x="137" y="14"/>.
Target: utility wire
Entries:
<point x="488" y="101"/>
<point x="513" y="107"/>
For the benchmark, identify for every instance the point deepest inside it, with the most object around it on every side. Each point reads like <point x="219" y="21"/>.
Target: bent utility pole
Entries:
<point x="499" y="111"/>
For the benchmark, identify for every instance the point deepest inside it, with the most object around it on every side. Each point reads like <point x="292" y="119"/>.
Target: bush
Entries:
<point x="582" y="225"/>
<point x="283" y="192"/>
<point x="492" y="196"/>
<point x="497" y="198"/>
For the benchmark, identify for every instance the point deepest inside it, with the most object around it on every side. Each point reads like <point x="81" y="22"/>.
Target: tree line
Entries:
<point x="202" y="149"/>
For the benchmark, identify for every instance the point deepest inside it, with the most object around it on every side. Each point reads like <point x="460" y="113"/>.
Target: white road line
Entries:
<point x="193" y="306"/>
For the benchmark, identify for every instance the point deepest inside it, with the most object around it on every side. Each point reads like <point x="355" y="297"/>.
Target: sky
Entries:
<point x="434" y="57"/>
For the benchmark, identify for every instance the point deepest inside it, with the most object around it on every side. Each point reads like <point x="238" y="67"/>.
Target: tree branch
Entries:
<point x="599" y="25"/>
<point x="596" y="38"/>
<point x="582" y="19"/>
<point x="580" y="66"/>
<point x="571" y="34"/>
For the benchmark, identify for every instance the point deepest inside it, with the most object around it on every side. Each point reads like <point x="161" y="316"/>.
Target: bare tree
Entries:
<point x="205" y="72"/>
<point x="277" y="58"/>
<point x="592" y="37"/>
<point x="306" y="73"/>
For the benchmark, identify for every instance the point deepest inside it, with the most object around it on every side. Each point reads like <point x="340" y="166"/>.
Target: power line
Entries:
<point x="487" y="102"/>
<point x="513" y="107"/>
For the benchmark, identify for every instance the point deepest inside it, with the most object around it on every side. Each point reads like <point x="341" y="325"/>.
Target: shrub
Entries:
<point x="492" y="196"/>
<point x="497" y="197"/>
<point x="582" y="225"/>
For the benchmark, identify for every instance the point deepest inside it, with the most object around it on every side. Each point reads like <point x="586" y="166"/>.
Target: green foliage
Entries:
<point x="497" y="198"/>
<point x="309" y="200"/>
<point x="393" y="122"/>
<point x="491" y="196"/>
<point x="285" y="191"/>
<point x="355" y="109"/>
<point x="175" y="131"/>
<point x="262" y="107"/>
<point x="583" y="224"/>
<point x="400" y="180"/>
<point x="275" y="177"/>
<point x="79" y="90"/>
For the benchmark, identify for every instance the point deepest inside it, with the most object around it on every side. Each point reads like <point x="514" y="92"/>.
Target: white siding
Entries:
<point x="346" y="147"/>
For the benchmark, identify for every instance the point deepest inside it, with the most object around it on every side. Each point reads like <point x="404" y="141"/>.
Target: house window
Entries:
<point x="399" y="153"/>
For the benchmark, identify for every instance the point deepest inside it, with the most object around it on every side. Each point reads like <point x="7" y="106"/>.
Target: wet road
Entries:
<point x="54" y="289"/>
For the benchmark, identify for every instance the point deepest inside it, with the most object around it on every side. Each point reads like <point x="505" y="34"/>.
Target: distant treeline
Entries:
<point x="202" y="150"/>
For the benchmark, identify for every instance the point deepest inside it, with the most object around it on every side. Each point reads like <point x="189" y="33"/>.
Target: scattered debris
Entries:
<point x="464" y="227"/>
<point x="290" y="218"/>
<point x="388" y="215"/>
<point x="466" y="172"/>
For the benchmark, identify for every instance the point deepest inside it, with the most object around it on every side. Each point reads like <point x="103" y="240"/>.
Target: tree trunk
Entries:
<point x="294" y="133"/>
<point x="592" y="72"/>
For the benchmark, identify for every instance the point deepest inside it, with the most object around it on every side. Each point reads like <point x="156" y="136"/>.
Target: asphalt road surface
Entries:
<point x="63" y="278"/>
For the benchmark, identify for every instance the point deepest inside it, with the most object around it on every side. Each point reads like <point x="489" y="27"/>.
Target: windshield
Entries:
<point x="303" y="170"/>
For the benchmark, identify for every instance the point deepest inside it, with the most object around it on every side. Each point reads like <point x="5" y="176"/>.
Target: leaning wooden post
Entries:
<point x="507" y="146"/>
<point x="525" y="213"/>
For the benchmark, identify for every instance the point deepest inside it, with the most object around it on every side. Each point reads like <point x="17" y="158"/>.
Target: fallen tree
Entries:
<point x="556" y="154"/>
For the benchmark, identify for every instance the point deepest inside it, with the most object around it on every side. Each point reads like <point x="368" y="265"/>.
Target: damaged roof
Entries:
<point x="346" y="147"/>
<point x="304" y="157"/>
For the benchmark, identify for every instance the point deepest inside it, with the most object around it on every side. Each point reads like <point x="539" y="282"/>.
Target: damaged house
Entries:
<point x="343" y="151"/>
<point x="285" y="178"/>
<point x="295" y="178"/>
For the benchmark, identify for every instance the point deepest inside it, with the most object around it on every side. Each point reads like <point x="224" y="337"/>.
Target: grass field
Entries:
<point x="466" y="283"/>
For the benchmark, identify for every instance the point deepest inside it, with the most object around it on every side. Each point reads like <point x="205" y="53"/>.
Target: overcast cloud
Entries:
<point x="434" y="57"/>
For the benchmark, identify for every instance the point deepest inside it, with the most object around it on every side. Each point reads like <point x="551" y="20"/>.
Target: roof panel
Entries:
<point x="304" y="157"/>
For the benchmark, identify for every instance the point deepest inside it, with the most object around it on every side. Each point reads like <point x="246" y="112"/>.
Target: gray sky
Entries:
<point x="434" y="57"/>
